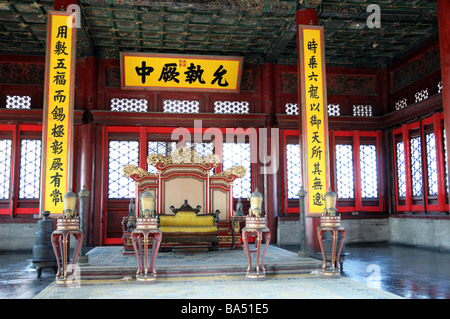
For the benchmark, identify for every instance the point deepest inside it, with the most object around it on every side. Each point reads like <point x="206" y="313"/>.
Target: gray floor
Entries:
<point x="411" y="273"/>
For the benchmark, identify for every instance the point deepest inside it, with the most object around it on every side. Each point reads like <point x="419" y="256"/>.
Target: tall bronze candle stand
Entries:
<point x="68" y="225"/>
<point x="256" y="225"/>
<point x="146" y="225"/>
<point x="329" y="221"/>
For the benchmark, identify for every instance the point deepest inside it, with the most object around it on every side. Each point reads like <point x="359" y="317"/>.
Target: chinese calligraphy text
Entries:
<point x="314" y="115"/>
<point x="58" y="110"/>
<point x="180" y="72"/>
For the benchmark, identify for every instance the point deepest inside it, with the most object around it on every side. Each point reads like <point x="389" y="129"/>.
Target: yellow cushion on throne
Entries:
<point x="187" y="222"/>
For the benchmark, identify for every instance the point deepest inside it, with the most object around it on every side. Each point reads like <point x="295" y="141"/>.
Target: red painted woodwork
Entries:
<point x="266" y="87"/>
<point x="427" y="74"/>
<point x="63" y="4"/>
<point x="109" y="87"/>
<point x="86" y="139"/>
<point x="289" y="206"/>
<point x="358" y="204"/>
<point x="109" y="212"/>
<point x="307" y="16"/>
<point x="15" y="206"/>
<point x="90" y="84"/>
<point x="427" y="203"/>
<point x="444" y="46"/>
<point x="269" y="178"/>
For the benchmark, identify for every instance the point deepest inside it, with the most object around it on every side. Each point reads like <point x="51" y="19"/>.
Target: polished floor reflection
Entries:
<point x="411" y="273"/>
<point x="408" y="272"/>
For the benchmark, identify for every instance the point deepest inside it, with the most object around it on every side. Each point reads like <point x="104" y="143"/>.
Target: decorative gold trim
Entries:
<point x="239" y="171"/>
<point x="146" y="223"/>
<point x="68" y="224"/>
<point x="225" y="239"/>
<point x="183" y="155"/>
<point x="129" y="170"/>
<point x="330" y="221"/>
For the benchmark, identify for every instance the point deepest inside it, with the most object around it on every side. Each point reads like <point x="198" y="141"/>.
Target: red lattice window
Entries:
<point x="420" y="172"/>
<point x="20" y="169"/>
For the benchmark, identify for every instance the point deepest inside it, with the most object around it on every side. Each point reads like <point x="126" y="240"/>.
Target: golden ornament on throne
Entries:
<point x="183" y="155"/>
<point x="181" y="175"/>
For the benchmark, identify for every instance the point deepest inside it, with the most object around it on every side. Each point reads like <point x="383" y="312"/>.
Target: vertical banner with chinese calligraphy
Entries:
<point x="57" y="139"/>
<point x="314" y="105"/>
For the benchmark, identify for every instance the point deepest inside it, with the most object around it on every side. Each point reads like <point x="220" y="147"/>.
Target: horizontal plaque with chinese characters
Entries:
<point x="314" y="116"/>
<point x="141" y="71"/>
<point x="56" y="168"/>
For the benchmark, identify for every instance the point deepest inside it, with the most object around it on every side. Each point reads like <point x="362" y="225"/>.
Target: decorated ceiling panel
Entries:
<point x="258" y="30"/>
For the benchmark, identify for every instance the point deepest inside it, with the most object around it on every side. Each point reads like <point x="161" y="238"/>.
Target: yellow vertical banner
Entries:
<point x="314" y="116"/>
<point x="57" y="130"/>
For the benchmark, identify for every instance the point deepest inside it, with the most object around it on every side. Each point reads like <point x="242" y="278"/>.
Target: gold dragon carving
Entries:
<point x="183" y="155"/>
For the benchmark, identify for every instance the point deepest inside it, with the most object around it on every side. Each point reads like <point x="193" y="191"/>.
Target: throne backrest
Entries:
<point x="184" y="175"/>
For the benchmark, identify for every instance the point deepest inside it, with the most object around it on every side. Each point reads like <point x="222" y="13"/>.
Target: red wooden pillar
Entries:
<point x="444" y="44"/>
<point x="87" y="138"/>
<point x="90" y="83"/>
<point x="63" y="4"/>
<point x="270" y="175"/>
<point x="307" y="17"/>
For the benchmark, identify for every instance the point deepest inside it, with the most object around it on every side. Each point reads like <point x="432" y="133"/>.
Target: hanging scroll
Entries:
<point x="141" y="71"/>
<point x="314" y="116"/>
<point x="56" y="168"/>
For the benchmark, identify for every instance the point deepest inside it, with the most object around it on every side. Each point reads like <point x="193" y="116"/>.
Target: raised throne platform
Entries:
<point x="108" y="262"/>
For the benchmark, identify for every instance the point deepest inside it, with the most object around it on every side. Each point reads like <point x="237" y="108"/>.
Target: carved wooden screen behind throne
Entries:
<point x="184" y="175"/>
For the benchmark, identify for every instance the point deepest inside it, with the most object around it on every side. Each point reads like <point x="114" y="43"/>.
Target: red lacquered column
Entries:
<point x="444" y="44"/>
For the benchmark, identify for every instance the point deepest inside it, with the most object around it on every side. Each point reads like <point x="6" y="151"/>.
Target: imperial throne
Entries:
<point x="184" y="178"/>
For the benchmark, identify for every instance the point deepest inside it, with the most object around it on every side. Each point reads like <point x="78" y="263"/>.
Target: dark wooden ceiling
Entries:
<point x="259" y="30"/>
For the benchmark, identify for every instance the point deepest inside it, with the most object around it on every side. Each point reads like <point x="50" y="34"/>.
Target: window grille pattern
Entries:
<point x="202" y="149"/>
<point x="21" y="102"/>
<point x="291" y="108"/>
<point x="401" y="169"/>
<point x="160" y="148"/>
<point x="5" y="168"/>
<point x="121" y="153"/>
<point x="432" y="176"/>
<point x="421" y="95"/>
<point x="293" y="170"/>
<point x="334" y="110"/>
<point x="239" y="154"/>
<point x="362" y="110"/>
<point x="416" y="166"/>
<point x="401" y="104"/>
<point x="181" y="106"/>
<point x="440" y="87"/>
<point x="129" y="105"/>
<point x="344" y="171"/>
<point x="30" y="169"/>
<point x="369" y="171"/>
<point x="231" y="107"/>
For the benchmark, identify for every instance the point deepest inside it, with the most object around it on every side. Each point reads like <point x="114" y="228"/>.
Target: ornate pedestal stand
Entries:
<point x="139" y="236"/>
<point x="235" y="228"/>
<point x="60" y="242"/>
<point x="256" y="225"/>
<point x="333" y="224"/>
